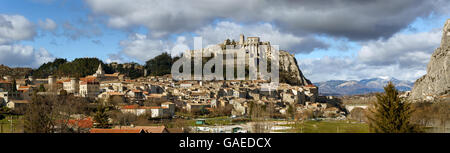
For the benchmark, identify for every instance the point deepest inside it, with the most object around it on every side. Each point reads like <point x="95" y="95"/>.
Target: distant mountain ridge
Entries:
<point x="364" y="86"/>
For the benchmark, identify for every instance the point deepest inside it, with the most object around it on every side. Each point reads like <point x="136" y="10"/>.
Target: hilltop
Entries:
<point x="14" y="72"/>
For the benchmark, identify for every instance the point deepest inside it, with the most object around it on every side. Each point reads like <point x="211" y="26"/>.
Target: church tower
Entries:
<point x="99" y="73"/>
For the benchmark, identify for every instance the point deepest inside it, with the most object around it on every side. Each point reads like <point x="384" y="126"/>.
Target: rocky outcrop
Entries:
<point x="289" y="70"/>
<point x="436" y="82"/>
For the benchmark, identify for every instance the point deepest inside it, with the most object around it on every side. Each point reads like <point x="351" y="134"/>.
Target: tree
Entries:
<point x="358" y="114"/>
<point x="39" y="115"/>
<point x="391" y="114"/>
<point x="41" y="88"/>
<point x="63" y="93"/>
<point x="160" y="65"/>
<point x="101" y="117"/>
<point x="14" y="85"/>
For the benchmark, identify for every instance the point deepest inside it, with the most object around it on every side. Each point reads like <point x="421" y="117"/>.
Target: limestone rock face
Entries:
<point x="289" y="70"/>
<point x="437" y="80"/>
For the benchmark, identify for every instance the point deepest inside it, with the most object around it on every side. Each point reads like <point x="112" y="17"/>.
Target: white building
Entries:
<point x="89" y="89"/>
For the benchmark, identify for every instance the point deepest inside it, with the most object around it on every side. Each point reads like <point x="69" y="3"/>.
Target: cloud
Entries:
<point x="349" y="68"/>
<point x="97" y="42"/>
<point x="76" y="31"/>
<point x="47" y="24"/>
<point x="403" y="56"/>
<point x="356" y="20"/>
<point x="15" y="28"/>
<point x="214" y="34"/>
<point x="21" y="55"/>
<point x="142" y="48"/>
<point x="118" y="58"/>
<point x="405" y="49"/>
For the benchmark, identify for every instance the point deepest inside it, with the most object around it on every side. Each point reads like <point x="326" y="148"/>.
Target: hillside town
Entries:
<point x="161" y="97"/>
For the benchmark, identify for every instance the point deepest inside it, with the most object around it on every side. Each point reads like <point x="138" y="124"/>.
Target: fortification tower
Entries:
<point x="241" y="39"/>
<point x="75" y="86"/>
<point x="52" y="82"/>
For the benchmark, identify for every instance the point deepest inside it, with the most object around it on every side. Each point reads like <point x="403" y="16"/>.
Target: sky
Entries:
<point x="331" y="40"/>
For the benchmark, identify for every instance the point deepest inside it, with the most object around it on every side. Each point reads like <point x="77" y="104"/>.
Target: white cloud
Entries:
<point x="20" y="55"/>
<point x="403" y="56"/>
<point x="349" y="68"/>
<point x="140" y="47"/>
<point x="47" y="24"/>
<point x="407" y="50"/>
<point x="14" y="28"/>
<point x="214" y="34"/>
<point x="353" y="19"/>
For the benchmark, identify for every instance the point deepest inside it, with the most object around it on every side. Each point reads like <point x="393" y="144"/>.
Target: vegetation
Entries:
<point x="432" y="116"/>
<point x="391" y="113"/>
<point x="160" y="65"/>
<point x="101" y="117"/>
<point x="79" y="67"/>
<point x="328" y="126"/>
<point x="49" y="114"/>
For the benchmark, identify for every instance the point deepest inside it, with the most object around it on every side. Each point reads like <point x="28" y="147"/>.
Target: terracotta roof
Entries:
<point x="152" y="129"/>
<point x="116" y="131"/>
<point x="83" y="123"/>
<point x="135" y="90"/>
<point x="24" y="87"/>
<point x="130" y="107"/>
<point x="4" y="81"/>
<point x="89" y="79"/>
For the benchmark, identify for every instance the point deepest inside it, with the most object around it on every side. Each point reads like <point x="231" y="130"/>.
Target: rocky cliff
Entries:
<point x="290" y="72"/>
<point x="436" y="82"/>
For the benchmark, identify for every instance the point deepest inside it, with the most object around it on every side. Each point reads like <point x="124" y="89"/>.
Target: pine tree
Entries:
<point x="14" y="85"/>
<point x="41" y="88"/>
<point x="391" y="113"/>
<point x="101" y="117"/>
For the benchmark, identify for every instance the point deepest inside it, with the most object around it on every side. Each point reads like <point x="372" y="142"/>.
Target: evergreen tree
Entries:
<point x="160" y="65"/>
<point x="41" y="88"/>
<point x="101" y="117"/>
<point x="391" y="113"/>
<point x="14" y="85"/>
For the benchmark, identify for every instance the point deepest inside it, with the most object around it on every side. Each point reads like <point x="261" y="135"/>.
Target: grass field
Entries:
<point x="16" y="127"/>
<point x="328" y="126"/>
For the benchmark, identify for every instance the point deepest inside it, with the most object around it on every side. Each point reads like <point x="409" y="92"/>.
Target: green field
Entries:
<point x="15" y="127"/>
<point x="327" y="126"/>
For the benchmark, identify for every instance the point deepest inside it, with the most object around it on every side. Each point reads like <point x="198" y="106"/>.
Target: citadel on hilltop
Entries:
<point x="189" y="95"/>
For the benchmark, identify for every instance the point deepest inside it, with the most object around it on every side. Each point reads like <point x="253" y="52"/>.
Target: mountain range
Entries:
<point x="364" y="86"/>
